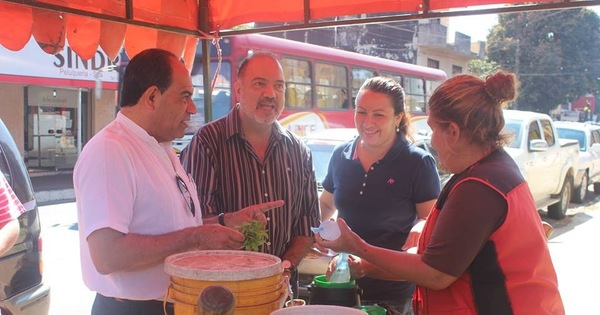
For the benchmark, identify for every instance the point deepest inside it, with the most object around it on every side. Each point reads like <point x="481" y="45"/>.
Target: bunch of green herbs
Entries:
<point x="256" y="235"/>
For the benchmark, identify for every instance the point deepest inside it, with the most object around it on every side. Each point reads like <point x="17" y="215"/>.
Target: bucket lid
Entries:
<point x="321" y="281"/>
<point x="223" y="265"/>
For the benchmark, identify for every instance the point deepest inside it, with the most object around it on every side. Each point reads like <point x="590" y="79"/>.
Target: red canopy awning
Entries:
<point x="176" y="25"/>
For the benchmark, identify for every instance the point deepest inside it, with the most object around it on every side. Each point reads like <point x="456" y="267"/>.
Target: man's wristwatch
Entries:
<point x="288" y="266"/>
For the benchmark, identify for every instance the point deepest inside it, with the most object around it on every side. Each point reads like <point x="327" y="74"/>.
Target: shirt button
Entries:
<point x="366" y="175"/>
<point x="263" y="171"/>
<point x="364" y="184"/>
<point x="266" y="195"/>
<point x="361" y="192"/>
<point x="372" y="168"/>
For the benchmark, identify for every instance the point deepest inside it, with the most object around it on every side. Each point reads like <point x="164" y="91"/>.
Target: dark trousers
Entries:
<point x="112" y="306"/>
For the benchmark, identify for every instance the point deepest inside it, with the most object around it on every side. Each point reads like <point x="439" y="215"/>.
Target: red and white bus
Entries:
<point x="321" y="82"/>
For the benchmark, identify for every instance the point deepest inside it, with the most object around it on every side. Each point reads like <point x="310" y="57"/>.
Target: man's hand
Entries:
<point x="251" y="213"/>
<point x="214" y="236"/>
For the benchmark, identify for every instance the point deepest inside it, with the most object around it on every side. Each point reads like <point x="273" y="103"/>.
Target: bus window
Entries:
<point x="298" y="79"/>
<point x="415" y="95"/>
<point x="396" y="77"/>
<point x="343" y="96"/>
<point x="430" y="86"/>
<point x="330" y="80"/>
<point x="221" y="95"/>
<point x="297" y="96"/>
<point x="359" y="76"/>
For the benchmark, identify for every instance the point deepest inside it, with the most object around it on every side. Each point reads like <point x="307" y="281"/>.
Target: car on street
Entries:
<point x="588" y="171"/>
<point x="420" y="126"/>
<point x="22" y="289"/>
<point x="547" y="162"/>
<point x="321" y="143"/>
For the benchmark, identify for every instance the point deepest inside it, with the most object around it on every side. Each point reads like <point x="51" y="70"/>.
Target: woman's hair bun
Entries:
<point x="502" y="86"/>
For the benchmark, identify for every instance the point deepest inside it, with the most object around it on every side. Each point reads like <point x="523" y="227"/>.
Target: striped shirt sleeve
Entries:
<point x="10" y="206"/>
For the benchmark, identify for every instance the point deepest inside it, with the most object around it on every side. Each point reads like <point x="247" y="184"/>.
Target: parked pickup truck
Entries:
<point x="548" y="163"/>
<point x="588" y="136"/>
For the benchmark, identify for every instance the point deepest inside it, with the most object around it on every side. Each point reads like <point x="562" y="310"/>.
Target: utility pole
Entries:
<point x="517" y="52"/>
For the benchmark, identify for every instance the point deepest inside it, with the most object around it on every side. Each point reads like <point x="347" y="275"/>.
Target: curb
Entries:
<point x="54" y="196"/>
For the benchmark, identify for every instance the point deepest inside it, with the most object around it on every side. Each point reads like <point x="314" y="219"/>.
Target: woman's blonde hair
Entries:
<point x="475" y="105"/>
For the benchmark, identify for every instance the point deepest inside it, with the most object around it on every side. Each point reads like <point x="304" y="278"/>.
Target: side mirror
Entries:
<point x="538" y="145"/>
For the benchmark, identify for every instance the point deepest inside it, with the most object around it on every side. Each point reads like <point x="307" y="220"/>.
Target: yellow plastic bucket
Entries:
<point x="255" y="279"/>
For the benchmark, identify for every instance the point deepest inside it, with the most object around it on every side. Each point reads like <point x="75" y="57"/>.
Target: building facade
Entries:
<point x="53" y="104"/>
<point x="422" y="42"/>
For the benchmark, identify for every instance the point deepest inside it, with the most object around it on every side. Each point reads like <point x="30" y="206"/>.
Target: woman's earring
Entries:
<point x="397" y="128"/>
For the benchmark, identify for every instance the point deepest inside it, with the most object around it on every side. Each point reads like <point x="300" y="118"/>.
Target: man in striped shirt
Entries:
<point x="246" y="158"/>
<point x="10" y="209"/>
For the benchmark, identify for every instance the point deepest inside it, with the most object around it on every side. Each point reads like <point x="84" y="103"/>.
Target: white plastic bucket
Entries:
<point x="318" y="309"/>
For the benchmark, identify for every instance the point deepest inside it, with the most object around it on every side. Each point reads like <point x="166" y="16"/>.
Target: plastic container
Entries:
<point x="329" y="230"/>
<point x="321" y="281"/>
<point x="373" y="309"/>
<point x="341" y="274"/>
<point x="319" y="309"/>
<point x="255" y="279"/>
<point x="323" y="292"/>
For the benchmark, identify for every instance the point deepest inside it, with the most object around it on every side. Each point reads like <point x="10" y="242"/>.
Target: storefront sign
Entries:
<point x="33" y="62"/>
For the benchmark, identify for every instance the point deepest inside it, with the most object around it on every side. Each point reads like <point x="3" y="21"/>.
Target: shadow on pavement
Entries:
<point x="575" y="215"/>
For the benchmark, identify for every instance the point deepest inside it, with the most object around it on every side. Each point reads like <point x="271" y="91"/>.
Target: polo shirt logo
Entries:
<point x="391" y="181"/>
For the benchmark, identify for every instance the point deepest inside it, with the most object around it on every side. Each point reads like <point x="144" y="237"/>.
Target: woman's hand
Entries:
<point x="356" y="264"/>
<point x="357" y="267"/>
<point x="348" y="242"/>
<point x="331" y="267"/>
<point x="413" y="237"/>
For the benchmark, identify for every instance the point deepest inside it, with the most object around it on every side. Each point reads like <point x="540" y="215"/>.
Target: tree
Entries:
<point x="482" y="68"/>
<point x="553" y="52"/>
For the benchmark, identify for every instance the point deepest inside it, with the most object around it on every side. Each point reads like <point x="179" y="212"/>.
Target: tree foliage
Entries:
<point x="482" y="68"/>
<point x="553" y="52"/>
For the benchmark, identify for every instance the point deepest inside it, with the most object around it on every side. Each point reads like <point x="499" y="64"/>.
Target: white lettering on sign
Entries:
<point x="303" y="123"/>
<point x="34" y="62"/>
<point x="54" y="101"/>
<point x="69" y="59"/>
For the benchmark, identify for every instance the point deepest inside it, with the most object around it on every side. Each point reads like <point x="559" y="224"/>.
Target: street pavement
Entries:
<point x="576" y="259"/>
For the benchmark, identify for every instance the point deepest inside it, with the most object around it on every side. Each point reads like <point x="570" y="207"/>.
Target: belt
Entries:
<point x="104" y="305"/>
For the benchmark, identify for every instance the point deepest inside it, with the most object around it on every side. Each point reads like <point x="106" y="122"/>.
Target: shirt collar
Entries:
<point x="397" y="148"/>
<point x="138" y="131"/>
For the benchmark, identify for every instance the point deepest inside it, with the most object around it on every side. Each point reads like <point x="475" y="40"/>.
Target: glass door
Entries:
<point x="52" y="128"/>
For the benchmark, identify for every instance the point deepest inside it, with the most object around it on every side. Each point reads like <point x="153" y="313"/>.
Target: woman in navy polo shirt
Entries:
<point x="381" y="184"/>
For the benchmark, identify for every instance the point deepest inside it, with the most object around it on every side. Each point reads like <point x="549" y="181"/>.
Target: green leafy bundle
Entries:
<point x="255" y="233"/>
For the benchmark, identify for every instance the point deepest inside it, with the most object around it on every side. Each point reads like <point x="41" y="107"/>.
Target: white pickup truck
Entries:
<point x="548" y="163"/>
<point x="588" y="136"/>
